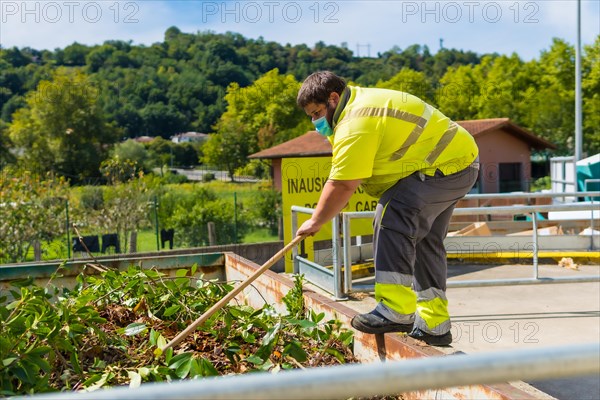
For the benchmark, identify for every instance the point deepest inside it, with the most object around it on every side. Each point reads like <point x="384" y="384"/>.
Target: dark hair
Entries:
<point x="317" y="87"/>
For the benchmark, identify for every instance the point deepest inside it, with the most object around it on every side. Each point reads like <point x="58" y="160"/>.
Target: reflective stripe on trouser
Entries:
<point x="432" y="311"/>
<point x="411" y="222"/>
<point x="395" y="298"/>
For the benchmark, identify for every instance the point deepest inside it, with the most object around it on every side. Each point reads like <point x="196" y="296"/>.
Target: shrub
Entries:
<point x="208" y="176"/>
<point x="191" y="223"/>
<point x="91" y="198"/>
<point x="265" y="208"/>
<point x="540" y="184"/>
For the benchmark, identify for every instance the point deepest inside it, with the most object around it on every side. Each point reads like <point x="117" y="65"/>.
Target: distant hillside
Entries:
<point x="178" y="85"/>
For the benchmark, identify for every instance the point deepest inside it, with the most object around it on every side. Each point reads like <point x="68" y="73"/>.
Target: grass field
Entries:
<point x="146" y="242"/>
<point x="147" y="239"/>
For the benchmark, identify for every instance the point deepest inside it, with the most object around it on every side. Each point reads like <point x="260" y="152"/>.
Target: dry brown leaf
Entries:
<point x="567" y="262"/>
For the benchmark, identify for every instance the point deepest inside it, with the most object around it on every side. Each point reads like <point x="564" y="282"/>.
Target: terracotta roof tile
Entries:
<point x="313" y="144"/>
<point x="308" y="145"/>
<point x="477" y="126"/>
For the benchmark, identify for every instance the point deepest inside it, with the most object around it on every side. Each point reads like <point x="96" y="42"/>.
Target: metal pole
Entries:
<point x="524" y="281"/>
<point x="501" y="210"/>
<point x="338" y="290"/>
<point x="347" y="253"/>
<point x="235" y="227"/>
<point x="295" y="211"/>
<point x="578" y="113"/>
<point x="295" y="263"/>
<point x="592" y="225"/>
<point x="562" y="193"/>
<point x="68" y="228"/>
<point x="535" y="245"/>
<point x="498" y="282"/>
<point x="369" y="380"/>
<point x="156" y="223"/>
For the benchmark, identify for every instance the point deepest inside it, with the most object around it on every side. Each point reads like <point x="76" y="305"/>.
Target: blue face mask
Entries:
<point x="322" y="126"/>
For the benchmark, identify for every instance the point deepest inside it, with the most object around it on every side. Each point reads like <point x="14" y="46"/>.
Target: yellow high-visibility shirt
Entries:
<point x="381" y="136"/>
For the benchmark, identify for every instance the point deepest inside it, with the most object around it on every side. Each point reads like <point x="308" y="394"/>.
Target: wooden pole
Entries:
<point x="221" y="303"/>
<point x="212" y="234"/>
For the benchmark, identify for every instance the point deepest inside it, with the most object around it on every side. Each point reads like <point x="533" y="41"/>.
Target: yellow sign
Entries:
<point x="302" y="180"/>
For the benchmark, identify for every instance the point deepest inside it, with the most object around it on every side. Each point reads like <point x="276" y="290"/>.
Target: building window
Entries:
<point x="510" y="177"/>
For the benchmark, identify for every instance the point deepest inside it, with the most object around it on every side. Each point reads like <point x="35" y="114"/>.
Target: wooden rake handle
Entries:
<point x="221" y="303"/>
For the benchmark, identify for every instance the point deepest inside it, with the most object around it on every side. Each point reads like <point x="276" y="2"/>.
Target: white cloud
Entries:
<point x="526" y="27"/>
<point x="48" y="25"/>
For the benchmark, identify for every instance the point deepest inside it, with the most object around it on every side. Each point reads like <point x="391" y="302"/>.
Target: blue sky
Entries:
<point x="366" y="27"/>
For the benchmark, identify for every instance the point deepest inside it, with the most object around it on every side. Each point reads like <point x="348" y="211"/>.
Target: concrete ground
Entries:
<point x="487" y="319"/>
<point x="528" y="316"/>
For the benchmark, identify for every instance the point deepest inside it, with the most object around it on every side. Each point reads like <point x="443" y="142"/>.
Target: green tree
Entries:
<point x="186" y="154"/>
<point x="265" y="208"/>
<point x="549" y="110"/>
<point x="162" y="120"/>
<point x="6" y="157"/>
<point x="75" y="54"/>
<point x="124" y="206"/>
<point x="507" y="83"/>
<point x="10" y="106"/>
<point x="32" y="208"/>
<point x="591" y="98"/>
<point x="459" y="90"/>
<point x="267" y="108"/>
<point x="191" y="224"/>
<point x="160" y="151"/>
<point x="15" y="57"/>
<point x="61" y="129"/>
<point x="410" y="81"/>
<point x="257" y="117"/>
<point x="227" y="149"/>
<point x="132" y="151"/>
<point x="126" y="209"/>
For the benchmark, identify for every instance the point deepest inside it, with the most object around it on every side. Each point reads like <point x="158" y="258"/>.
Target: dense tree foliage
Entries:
<point x="538" y="95"/>
<point x="257" y="117"/>
<point x="208" y="82"/>
<point x="61" y="128"/>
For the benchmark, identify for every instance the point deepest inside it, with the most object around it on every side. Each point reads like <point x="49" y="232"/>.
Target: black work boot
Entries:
<point x="374" y="322"/>
<point x="432" y="340"/>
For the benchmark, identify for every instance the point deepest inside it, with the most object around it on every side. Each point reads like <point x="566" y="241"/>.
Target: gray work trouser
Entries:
<point x="410" y="225"/>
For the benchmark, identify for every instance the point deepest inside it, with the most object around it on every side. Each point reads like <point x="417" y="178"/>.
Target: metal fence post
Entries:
<point x="156" y="222"/>
<point x="68" y="229"/>
<point x="295" y="262"/>
<point x="535" y="245"/>
<point x="592" y="223"/>
<point x="347" y="253"/>
<point x="235" y="223"/>
<point x="338" y="290"/>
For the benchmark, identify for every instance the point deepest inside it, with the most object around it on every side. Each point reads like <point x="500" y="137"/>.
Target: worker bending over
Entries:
<point x="419" y="164"/>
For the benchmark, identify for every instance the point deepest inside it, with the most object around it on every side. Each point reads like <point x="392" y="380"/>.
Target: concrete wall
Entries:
<point x="255" y="252"/>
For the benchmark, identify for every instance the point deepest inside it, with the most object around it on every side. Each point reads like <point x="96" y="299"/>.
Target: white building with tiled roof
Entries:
<point x="189" y="137"/>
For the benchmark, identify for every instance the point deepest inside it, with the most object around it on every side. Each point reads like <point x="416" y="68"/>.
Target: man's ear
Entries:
<point x="334" y="98"/>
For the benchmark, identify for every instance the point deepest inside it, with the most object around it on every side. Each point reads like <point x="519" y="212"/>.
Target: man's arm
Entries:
<point x="334" y="198"/>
